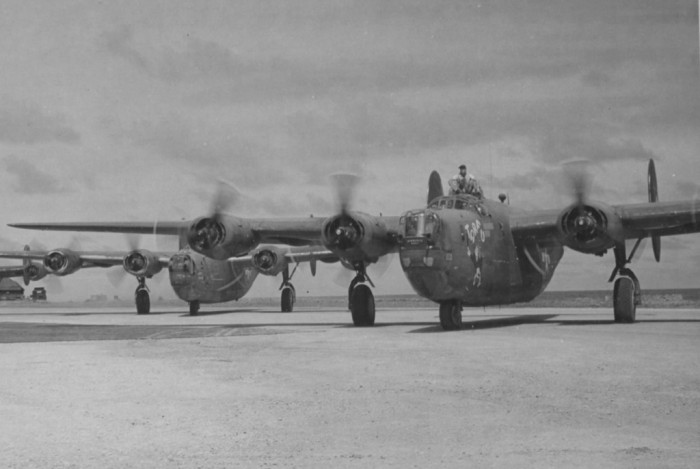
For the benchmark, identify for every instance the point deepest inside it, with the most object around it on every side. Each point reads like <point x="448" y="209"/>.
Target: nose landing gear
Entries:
<point x="627" y="293"/>
<point x="289" y="294"/>
<point x="451" y="315"/>
<point x="142" y="297"/>
<point x="360" y="298"/>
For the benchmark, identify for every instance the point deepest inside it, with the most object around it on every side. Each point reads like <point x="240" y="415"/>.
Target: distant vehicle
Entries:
<point x="38" y="294"/>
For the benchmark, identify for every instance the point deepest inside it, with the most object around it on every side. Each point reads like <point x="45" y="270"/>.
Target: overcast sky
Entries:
<point x="131" y="110"/>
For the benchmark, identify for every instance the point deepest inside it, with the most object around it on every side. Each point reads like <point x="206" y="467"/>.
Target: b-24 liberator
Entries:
<point x="458" y="250"/>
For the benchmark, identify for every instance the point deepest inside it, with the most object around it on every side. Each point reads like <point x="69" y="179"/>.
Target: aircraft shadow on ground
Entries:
<point x="510" y="321"/>
<point x="492" y="323"/>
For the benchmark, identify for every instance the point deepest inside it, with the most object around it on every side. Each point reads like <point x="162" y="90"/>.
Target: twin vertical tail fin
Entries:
<point x="654" y="197"/>
<point x="434" y="187"/>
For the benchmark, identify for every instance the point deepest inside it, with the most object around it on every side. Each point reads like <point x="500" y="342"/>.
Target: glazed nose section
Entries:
<point x="182" y="271"/>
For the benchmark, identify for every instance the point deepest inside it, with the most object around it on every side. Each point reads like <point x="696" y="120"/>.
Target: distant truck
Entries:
<point x="38" y="294"/>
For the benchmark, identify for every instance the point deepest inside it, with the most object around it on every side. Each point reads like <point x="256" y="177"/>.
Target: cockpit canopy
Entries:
<point x="454" y="202"/>
<point x="459" y="202"/>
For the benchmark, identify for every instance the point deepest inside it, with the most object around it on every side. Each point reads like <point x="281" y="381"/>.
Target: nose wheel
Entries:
<point x="451" y="315"/>
<point x="627" y="293"/>
<point x="289" y="293"/>
<point x="626" y="297"/>
<point x="142" y="297"/>
<point x="361" y="299"/>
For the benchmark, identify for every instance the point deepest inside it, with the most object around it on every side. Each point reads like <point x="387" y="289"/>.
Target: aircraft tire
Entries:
<point x="287" y="300"/>
<point x="194" y="308"/>
<point x="451" y="315"/>
<point x="624" y="306"/>
<point x="362" y="306"/>
<point x="143" y="302"/>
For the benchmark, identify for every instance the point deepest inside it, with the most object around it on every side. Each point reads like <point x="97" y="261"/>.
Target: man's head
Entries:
<point x="463" y="170"/>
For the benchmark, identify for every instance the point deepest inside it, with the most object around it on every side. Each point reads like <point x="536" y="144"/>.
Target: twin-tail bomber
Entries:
<point x="458" y="251"/>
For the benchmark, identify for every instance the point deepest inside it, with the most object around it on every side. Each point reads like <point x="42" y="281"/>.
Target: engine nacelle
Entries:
<point x="591" y="228"/>
<point x="142" y="263"/>
<point x="62" y="262"/>
<point x="221" y="237"/>
<point x="34" y="272"/>
<point x="269" y="260"/>
<point x="357" y="237"/>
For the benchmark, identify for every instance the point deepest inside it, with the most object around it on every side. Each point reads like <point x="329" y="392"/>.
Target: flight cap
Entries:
<point x="462" y="166"/>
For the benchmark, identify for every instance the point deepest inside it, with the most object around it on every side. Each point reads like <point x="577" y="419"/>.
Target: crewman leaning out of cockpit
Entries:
<point x="463" y="183"/>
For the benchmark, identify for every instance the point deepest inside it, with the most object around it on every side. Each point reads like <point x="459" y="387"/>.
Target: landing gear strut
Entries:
<point x="289" y="294"/>
<point x="451" y="315"/>
<point x="627" y="293"/>
<point x="142" y="297"/>
<point x="360" y="298"/>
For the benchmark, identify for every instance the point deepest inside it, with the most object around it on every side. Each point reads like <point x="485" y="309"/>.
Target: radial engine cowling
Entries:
<point x="591" y="228"/>
<point x="142" y="263"/>
<point x="34" y="272"/>
<point x="62" y="262"/>
<point x="357" y="237"/>
<point x="221" y="237"/>
<point x="269" y="260"/>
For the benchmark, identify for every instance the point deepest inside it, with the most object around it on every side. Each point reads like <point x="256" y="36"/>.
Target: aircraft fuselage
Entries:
<point x="195" y="277"/>
<point x="461" y="248"/>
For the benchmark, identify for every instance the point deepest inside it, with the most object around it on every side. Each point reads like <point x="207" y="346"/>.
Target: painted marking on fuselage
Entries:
<point x="477" y="236"/>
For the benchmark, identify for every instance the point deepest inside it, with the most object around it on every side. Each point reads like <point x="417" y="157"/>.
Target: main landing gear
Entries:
<point x="142" y="297"/>
<point x="451" y="315"/>
<point x="289" y="294"/>
<point x="627" y="293"/>
<point x="360" y="298"/>
<point x="194" y="307"/>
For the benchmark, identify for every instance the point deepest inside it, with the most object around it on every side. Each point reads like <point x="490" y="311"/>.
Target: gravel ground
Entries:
<point x="257" y="388"/>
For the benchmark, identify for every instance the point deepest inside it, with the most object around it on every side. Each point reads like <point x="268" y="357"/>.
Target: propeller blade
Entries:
<point x="133" y="241"/>
<point x="116" y="276"/>
<point x="53" y="284"/>
<point x="225" y="197"/>
<point x="579" y="180"/>
<point x="345" y="184"/>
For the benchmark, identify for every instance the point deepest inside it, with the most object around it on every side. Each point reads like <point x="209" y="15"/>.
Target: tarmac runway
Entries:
<point x="236" y="387"/>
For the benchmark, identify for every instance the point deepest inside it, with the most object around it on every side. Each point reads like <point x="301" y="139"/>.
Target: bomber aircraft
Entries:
<point x="194" y="277"/>
<point x="29" y="271"/>
<point x="458" y="251"/>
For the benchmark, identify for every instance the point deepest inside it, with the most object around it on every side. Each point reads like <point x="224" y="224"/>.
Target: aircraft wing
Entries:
<point x="84" y="258"/>
<point x="660" y="218"/>
<point x="286" y="255"/>
<point x="11" y="271"/>
<point x="159" y="228"/>
<point x="292" y="231"/>
<point x="637" y="220"/>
